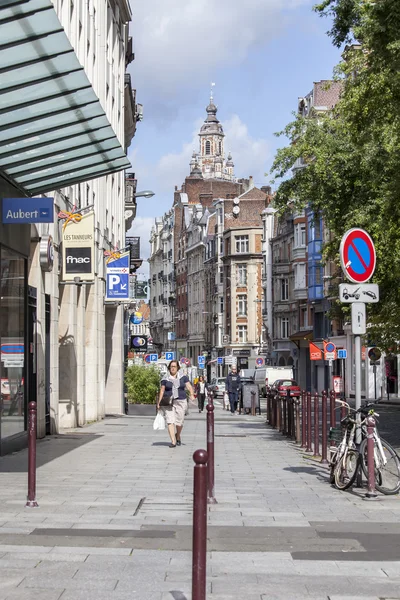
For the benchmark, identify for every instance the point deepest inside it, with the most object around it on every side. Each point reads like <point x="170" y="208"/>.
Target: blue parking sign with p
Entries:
<point x="170" y="356"/>
<point x="153" y="357"/>
<point x="220" y="360"/>
<point x="201" y="360"/>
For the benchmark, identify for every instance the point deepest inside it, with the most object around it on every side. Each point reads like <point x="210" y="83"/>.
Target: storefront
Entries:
<point x="14" y="253"/>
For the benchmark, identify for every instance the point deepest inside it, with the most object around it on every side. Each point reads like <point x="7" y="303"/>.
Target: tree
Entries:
<point x="143" y="384"/>
<point x="352" y="154"/>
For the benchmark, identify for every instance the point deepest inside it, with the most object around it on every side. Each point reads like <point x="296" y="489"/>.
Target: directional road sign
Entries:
<point x="170" y="356"/>
<point x="342" y="353"/>
<point x="364" y="292"/>
<point x="117" y="278"/>
<point x="357" y="255"/>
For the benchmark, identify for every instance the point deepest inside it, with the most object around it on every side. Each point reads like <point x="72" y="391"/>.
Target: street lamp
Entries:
<point x="144" y="194"/>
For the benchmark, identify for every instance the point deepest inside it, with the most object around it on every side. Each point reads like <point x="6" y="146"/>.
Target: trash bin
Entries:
<point x="251" y="397"/>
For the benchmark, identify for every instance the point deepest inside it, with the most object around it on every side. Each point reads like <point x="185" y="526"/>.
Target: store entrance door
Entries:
<point x="47" y="384"/>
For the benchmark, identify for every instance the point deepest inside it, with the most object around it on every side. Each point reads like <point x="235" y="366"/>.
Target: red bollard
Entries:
<point x="332" y="406"/>
<point x="371" y="493"/>
<point x="316" y="425"/>
<point x="32" y="417"/>
<point x="324" y="459"/>
<point x="303" y="419"/>
<point x="199" y="548"/>
<point x="210" y="452"/>
<point x="309" y="440"/>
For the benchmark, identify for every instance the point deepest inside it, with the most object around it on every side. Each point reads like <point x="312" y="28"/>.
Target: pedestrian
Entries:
<point x="175" y="386"/>
<point x="201" y="387"/>
<point x="232" y="384"/>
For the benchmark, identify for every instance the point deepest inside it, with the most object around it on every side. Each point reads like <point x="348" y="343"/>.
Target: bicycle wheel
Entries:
<point x="387" y="476"/>
<point x="346" y="469"/>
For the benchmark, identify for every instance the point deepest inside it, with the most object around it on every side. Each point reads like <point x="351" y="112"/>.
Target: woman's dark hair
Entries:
<point x="201" y="377"/>
<point x="171" y="363"/>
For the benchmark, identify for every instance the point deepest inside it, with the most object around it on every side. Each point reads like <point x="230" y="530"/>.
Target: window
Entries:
<point x="303" y="317"/>
<point x="299" y="276"/>
<point x="242" y="244"/>
<point x="242" y="333"/>
<point x="242" y="305"/>
<point x="299" y="235"/>
<point x="221" y="305"/>
<point x="220" y="147"/>
<point x="208" y="147"/>
<point x="241" y="275"/>
<point x="221" y="274"/>
<point x="284" y="289"/>
<point x="284" y="327"/>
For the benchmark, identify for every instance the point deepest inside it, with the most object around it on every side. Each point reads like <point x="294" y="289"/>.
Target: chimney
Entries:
<point x="251" y="182"/>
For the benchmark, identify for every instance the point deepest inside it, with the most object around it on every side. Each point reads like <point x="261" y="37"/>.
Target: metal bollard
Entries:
<point x="332" y="407"/>
<point x="269" y="408"/>
<point x="199" y="547"/>
<point x="298" y="428"/>
<point x="303" y="419"/>
<point x="324" y="459"/>
<point x="371" y="493"/>
<point x="210" y="452"/>
<point x="309" y="440"/>
<point x="289" y="414"/>
<point x="343" y="412"/>
<point x="316" y="425"/>
<point x="32" y="418"/>
<point x="253" y="403"/>
<point x="284" y="406"/>
<point x="278" y="412"/>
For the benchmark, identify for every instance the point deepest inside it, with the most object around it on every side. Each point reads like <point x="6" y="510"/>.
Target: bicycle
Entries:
<point x="347" y="459"/>
<point x="344" y="459"/>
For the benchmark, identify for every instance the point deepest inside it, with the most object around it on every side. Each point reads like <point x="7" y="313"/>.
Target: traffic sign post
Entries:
<point x="170" y="356"/>
<point x="259" y="361"/>
<point x="153" y="358"/>
<point x="358" y="260"/>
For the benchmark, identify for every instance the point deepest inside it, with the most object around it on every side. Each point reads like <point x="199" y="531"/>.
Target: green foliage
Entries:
<point x="143" y="384"/>
<point x="353" y="153"/>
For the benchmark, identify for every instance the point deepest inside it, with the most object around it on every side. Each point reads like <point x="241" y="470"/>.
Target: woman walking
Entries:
<point x="201" y="387"/>
<point x="175" y="386"/>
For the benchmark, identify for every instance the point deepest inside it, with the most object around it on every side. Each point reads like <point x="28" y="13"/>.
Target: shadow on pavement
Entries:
<point x="161" y="443"/>
<point x="178" y="595"/>
<point x="142" y="410"/>
<point x="48" y="449"/>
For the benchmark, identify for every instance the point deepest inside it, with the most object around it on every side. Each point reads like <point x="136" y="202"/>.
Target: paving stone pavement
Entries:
<point x="115" y="515"/>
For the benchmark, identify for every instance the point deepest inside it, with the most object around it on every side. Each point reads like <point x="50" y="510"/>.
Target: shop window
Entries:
<point x="12" y="334"/>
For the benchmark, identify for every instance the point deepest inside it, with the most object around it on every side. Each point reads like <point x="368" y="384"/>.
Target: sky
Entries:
<point x="262" y="56"/>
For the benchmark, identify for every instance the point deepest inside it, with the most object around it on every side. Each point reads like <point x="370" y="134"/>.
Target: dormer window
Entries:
<point x="208" y="147"/>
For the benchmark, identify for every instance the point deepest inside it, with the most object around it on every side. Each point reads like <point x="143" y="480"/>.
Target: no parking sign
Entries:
<point x="357" y="255"/>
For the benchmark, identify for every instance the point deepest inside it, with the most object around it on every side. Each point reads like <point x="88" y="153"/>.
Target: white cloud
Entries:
<point x="181" y="42"/>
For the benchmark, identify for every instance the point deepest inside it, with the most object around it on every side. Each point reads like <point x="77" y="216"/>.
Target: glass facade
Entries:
<point x="12" y="339"/>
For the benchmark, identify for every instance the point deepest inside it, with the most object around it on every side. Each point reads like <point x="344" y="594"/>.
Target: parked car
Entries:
<point x="281" y="386"/>
<point x="217" y="387"/>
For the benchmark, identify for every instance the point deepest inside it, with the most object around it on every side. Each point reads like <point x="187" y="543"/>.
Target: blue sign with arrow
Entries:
<point x="117" y="278"/>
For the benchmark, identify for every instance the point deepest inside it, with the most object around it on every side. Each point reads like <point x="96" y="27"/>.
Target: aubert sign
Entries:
<point x="78" y="248"/>
<point x="28" y="210"/>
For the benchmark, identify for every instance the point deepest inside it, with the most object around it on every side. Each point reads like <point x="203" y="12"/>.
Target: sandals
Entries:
<point x="172" y="446"/>
<point x="178" y="443"/>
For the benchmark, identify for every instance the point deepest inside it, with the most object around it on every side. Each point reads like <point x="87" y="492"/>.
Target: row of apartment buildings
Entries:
<point x="69" y="114"/>
<point x="231" y="278"/>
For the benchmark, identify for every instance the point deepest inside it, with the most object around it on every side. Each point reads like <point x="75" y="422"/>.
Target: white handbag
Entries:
<point x="159" y="422"/>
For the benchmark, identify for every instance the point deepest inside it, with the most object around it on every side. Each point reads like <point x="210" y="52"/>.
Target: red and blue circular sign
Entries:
<point x="259" y="361"/>
<point x="330" y="347"/>
<point x="357" y="255"/>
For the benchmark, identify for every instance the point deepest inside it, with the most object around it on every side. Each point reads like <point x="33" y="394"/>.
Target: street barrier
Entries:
<point x="309" y="439"/>
<point x="324" y="459"/>
<point x="32" y="420"/>
<point x="199" y="547"/>
<point x="210" y="452"/>
<point x="303" y="419"/>
<point x="316" y="425"/>
<point x="371" y="492"/>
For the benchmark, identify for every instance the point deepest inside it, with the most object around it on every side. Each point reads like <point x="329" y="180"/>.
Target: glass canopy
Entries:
<point x="53" y="129"/>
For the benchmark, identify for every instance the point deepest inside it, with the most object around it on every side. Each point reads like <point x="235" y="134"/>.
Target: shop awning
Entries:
<point x="53" y="129"/>
<point x="302" y="335"/>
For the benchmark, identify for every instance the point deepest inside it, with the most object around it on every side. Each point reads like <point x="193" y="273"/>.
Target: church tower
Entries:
<point x="211" y="158"/>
